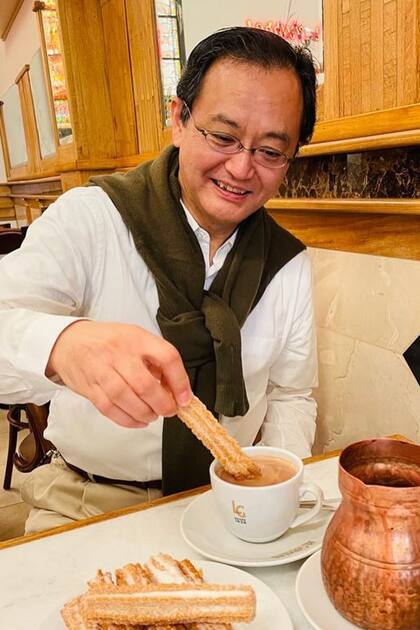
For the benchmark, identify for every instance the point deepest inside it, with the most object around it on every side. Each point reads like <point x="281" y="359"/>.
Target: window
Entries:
<point x="41" y="106"/>
<point x="13" y="124"/>
<point x="50" y="30"/>
<point x="171" y="50"/>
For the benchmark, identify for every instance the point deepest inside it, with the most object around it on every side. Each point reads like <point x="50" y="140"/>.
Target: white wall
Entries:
<point x="19" y="47"/>
<point x="366" y="388"/>
<point x="201" y="17"/>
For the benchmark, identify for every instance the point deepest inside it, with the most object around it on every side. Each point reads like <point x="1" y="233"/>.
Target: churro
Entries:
<point x="162" y="594"/>
<point x="154" y="604"/>
<point x="72" y="614"/>
<point x="165" y="570"/>
<point x="222" y="446"/>
<point x="132" y="574"/>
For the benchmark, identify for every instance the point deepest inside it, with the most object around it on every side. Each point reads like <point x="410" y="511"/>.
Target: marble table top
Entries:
<point x="39" y="576"/>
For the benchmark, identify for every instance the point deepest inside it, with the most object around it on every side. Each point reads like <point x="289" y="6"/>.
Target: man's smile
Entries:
<point x="230" y="189"/>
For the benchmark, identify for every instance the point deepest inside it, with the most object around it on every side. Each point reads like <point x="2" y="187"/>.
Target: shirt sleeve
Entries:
<point x="291" y="409"/>
<point x="42" y="287"/>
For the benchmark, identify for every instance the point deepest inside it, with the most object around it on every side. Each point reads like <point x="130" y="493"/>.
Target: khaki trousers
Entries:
<point x="59" y="496"/>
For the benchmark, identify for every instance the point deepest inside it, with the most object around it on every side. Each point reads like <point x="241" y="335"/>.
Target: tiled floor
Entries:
<point x="13" y="511"/>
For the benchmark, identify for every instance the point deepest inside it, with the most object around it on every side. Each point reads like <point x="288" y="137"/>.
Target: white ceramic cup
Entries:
<point x="262" y="513"/>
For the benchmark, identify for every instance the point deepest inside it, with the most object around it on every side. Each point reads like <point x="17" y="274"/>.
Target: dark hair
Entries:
<point x="255" y="46"/>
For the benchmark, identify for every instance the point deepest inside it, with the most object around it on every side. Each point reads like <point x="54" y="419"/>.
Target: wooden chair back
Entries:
<point x="10" y="239"/>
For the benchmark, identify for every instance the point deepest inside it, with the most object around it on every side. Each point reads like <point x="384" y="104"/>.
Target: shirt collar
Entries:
<point x="199" y="231"/>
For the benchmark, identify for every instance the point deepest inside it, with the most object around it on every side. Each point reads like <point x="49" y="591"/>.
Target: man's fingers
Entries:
<point x="121" y="393"/>
<point x="129" y="374"/>
<point x="141" y="377"/>
<point x="119" y="415"/>
<point x="174" y="376"/>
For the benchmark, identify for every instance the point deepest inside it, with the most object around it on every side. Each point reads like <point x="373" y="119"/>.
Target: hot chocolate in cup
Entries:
<point x="264" y="508"/>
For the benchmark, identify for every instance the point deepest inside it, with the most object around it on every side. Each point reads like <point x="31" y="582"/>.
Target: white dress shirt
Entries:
<point x="79" y="261"/>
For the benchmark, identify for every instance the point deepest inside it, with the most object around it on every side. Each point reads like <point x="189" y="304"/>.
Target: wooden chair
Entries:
<point x="10" y="239"/>
<point x="34" y="447"/>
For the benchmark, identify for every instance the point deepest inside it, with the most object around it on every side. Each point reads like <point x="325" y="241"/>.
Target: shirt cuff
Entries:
<point x="36" y="345"/>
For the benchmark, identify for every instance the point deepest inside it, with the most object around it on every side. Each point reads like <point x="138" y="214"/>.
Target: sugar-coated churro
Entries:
<point x="165" y="569"/>
<point x="132" y="574"/>
<point x="162" y="594"/>
<point x="169" y="603"/>
<point x="222" y="446"/>
<point x="72" y="614"/>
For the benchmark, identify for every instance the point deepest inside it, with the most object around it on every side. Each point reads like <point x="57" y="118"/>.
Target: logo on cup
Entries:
<point x="239" y="514"/>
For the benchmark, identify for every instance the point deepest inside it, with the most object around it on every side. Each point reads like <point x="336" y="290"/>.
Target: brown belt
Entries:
<point x="144" y="485"/>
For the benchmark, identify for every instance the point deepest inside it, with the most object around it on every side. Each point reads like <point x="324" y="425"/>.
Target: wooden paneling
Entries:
<point x="354" y="59"/>
<point x="87" y="77"/>
<point x="399" y="119"/>
<point x="119" y="75"/>
<point x="380" y="234"/>
<point x="361" y="206"/>
<point x="408" y="29"/>
<point x="390" y="54"/>
<point x="363" y="143"/>
<point x="365" y="35"/>
<point x="330" y="100"/>
<point x="145" y="72"/>
<point x="373" y="50"/>
<point x="29" y="124"/>
<point x="7" y="208"/>
<point x="377" y="47"/>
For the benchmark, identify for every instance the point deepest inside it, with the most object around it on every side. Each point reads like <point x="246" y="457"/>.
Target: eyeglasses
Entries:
<point x="225" y="143"/>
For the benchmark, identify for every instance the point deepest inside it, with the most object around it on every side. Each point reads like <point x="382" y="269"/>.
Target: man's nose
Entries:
<point x="240" y="165"/>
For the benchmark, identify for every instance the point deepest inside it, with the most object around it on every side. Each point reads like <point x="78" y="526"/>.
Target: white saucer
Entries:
<point x="313" y="599"/>
<point x="271" y="612"/>
<point x="204" y="530"/>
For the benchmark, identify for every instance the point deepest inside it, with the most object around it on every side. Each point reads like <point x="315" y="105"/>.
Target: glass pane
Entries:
<point x="168" y="38"/>
<point x="165" y="7"/>
<point x="41" y="106"/>
<point x="171" y="71"/>
<point x="56" y="71"/>
<point x="13" y="122"/>
<point x="171" y="50"/>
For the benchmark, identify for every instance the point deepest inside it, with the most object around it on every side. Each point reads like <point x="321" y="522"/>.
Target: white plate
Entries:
<point x="313" y="599"/>
<point x="271" y="612"/>
<point x="204" y="530"/>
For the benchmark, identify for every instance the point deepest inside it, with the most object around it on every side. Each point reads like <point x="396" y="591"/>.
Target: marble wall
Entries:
<point x="367" y="314"/>
<point x="370" y="174"/>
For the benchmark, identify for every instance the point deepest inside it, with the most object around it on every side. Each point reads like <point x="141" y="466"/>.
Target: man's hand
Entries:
<point x="129" y="374"/>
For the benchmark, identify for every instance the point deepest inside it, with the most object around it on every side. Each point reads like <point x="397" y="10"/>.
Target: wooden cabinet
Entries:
<point x="103" y="77"/>
<point x="371" y="95"/>
<point x="109" y="89"/>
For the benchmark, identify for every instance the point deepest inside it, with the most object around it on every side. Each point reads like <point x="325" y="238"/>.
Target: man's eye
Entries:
<point x="270" y="154"/>
<point x="222" y="138"/>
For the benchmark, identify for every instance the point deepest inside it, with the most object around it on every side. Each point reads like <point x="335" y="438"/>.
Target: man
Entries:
<point x="132" y="292"/>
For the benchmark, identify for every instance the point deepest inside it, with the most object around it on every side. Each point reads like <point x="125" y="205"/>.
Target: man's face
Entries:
<point x="260" y="108"/>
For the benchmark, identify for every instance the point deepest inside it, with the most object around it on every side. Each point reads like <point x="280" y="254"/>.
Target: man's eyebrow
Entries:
<point x="278" y="135"/>
<point x="225" y="120"/>
<point x="282" y="136"/>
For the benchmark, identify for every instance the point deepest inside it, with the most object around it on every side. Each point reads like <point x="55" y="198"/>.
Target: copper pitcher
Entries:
<point x="371" y="552"/>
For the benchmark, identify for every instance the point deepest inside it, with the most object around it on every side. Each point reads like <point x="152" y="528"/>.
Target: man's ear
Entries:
<point x="177" y="125"/>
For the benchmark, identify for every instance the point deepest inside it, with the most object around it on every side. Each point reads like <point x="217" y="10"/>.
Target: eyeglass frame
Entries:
<point x="205" y="133"/>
